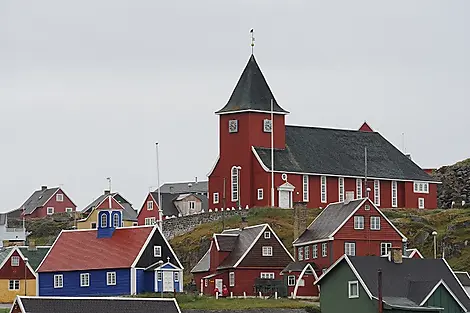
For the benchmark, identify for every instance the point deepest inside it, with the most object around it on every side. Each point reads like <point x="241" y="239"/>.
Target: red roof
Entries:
<point x="81" y="250"/>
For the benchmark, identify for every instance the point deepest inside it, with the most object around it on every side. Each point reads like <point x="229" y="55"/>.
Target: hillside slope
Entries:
<point x="452" y="227"/>
<point x="455" y="188"/>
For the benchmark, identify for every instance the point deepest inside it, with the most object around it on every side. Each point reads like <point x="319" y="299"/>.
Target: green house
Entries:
<point x="351" y="285"/>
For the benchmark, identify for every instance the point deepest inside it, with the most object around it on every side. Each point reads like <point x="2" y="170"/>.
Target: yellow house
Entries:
<point x="18" y="271"/>
<point x="108" y="201"/>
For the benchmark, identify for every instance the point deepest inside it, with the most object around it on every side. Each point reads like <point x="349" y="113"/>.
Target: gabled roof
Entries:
<point x="251" y="92"/>
<point x="407" y="284"/>
<point x="327" y="151"/>
<point x="95" y="304"/>
<point x="204" y="263"/>
<point x="168" y="202"/>
<point x="81" y="249"/>
<point x="225" y="242"/>
<point x="38" y="199"/>
<point x="35" y="256"/>
<point x="128" y="212"/>
<point x="298" y="266"/>
<point x="464" y="278"/>
<point x="332" y="218"/>
<point x="184" y="187"/>
<point x="409" y="253"/>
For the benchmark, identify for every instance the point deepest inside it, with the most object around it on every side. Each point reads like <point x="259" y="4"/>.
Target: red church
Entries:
<point x="311" y="164"/>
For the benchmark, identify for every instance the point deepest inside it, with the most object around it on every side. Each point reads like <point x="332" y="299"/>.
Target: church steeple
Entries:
<point x="251" y="93"/>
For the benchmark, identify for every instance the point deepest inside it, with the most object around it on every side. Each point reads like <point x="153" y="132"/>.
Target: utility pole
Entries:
<point x="160" y="205"/>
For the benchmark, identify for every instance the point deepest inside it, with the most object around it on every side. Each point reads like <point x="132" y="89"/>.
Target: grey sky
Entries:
<point x="87" y="87"/>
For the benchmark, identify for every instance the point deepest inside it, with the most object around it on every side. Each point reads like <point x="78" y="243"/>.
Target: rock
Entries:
<point x="421" y="237"/>
<point x="455" y="185"/>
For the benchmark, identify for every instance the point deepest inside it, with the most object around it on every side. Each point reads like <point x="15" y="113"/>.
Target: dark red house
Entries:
<point x="43" y="202"/>
<point x="238" y="257"/>
<point x="149" y="213"/>
<point x="311" y="164"/>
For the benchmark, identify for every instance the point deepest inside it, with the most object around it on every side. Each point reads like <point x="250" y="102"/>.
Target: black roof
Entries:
<point x="95" y="304"/>
<point x="413" y="279"/>
<point x="298" y="266"/>
<point x="328" y="221"/>
<point x="341" y="152"/>
<point x="251" y="92"/>
<point x="185" y="187"/>
<point x="168" y="202"/>
<point x="225" y="242"/>
<point x="464" y="278"/>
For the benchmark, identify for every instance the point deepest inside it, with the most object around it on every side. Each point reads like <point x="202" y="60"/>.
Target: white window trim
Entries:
<point x="349" y="247"/>
<point x="291" y="280"/>
<point x="150" y="205"/>
<point x="16" y="262"/>
<point x="160" y="275"/>
<point x="324" y="249"/>
<point x="176" y="276"/>
<point x="111" y="278"/>
<point x="306" y="252"/>
<point x="373" y="226"/>
<point x="424" y="187"/>
<point x="116" y="221"/>
<point x="192" y="205"/>
<point x="260" y="194"/>
<point x="394" y="194"/>
<point x="267" y="251"/>
<point x="157" y="251"/>
<point x="235" y="186"/>
<point x="421" y="203"/>
<point x="50" y="210"/>
<point x="68" y="210"/>
<point x="315" y="251"/>
<point x="14" y="285"/>
<point x="305" y="190"/>
<point x="267" y="235"/>
<point x="59" y="197"/>
<point x="267" y="275"/>
<point x="324" y="189"/>
<point x="215" y="197"/>
<point x="377" y="192"/>
<point x="206" y="282"/>
<point x="351" y="283"/>
<point x="234" y="122"/>
<point x="87" y="280"/>
<point x="358" y="224"/>
<point x="58" y="281"/>
<point x="341" y="189"/>
<point x="387" y="246"/>
<point x="358" y="188"/>
<point x="300" y="253"/>
<point x="105" y="224"/>
<point x="231" y="279"/>
<point x="267" y="126"/>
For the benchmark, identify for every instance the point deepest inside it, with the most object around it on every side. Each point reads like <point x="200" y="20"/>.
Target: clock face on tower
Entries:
<point x="267" y="126"/>
<point x="233" y="126"/>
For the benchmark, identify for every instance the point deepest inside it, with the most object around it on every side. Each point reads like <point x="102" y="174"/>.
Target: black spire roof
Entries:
<point x="252" y="92"/>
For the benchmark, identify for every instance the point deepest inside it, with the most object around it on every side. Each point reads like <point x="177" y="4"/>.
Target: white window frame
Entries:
<point x="267" y="235"/>
<point x="420" y="187"/>
<point x="231" y="279"/>
<point x="394" y="194"/>
<point x="159" y="276"/>
<point x="300" y="253"/>
<point x="305" y="181"/>
<point x="206" y="282"/>
<point x="116" y="221"/>
<point x="176" y="276"/>
<point x="59" y="197"/>
<point x="85" y="280"/>
<point x="68" y="210"/>
<point x="420" y="203"/>
<point x="50" y="210"/>
<point x="324" y="249"/>
<point x="150" y="205"/>
<point x="350" y="294"/>
<point x="14" y="284"/>
<point x="15" y="261"/>
<point x="341" y="189"/>
<point x="291" y="280"/>
<point x="157" y="251"/>
<point x="377" y="192"/>
<point x="358" y="188"/>
<point x="306" y="252"/>
<point x="191" y="205"/>
<point x="260" y="193"/>
<point x="93" y="225"/>
<point x="215" y="197"/>
<point x="267" y="126"/>
<point x="235" y="183"/>
<point x="235" y="123"/>
<point x="105" y="221"/>
<point x="267" y="251"/>
<point x="367" y="207"/>
<point x="350" y="248"/>
<point x="149" y="220"/>
<point x="375" y="223"/>
<point x="359" y="222"/>
<point x="323" y="189"/>
<point x="314" y="251"/>
<point x="111" y="278"/>
<point x="385" y="248"/>
<point x="58" y="281"/>
<point x="267" y="275"/>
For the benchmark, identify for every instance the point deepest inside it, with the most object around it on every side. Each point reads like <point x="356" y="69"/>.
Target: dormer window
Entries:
<point x="157" y="251"/>
<point x="104" y="221"/>
<point x="59" y="197"/>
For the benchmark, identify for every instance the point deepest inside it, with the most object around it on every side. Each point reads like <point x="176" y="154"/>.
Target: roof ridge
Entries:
<point x="330" y="128"/>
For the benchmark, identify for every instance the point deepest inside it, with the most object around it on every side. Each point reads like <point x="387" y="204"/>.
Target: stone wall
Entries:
<point x="248" y="311"/>
<point x="454" y="192"/>
<point x="178" y="226"/>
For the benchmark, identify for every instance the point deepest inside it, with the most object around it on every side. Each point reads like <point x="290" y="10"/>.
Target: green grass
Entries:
<point x="4" y="310"/>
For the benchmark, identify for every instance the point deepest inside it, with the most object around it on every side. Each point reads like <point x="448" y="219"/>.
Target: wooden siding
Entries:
<point x="145" y="213"/>
<point x="15" y="272"/>
<point x="59" y="207"/>
<point x="93" y="218"/>
<point x="147" y="258"/>
<point x="183" y="205"/>
<point x="8" y="296"/>
<point x="443" y="299"/>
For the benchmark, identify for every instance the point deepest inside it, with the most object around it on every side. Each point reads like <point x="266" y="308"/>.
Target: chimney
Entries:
<point x="349" y="197"/>
<point x="32" y="245"/>
<point x="107" y="192"/>
<point x="396" y="255"/>
<point x="300" y="218"/>
<point x="244" y="223"/>
<point x="195" y="179"/>
<point x="43" y="188"/>
<point x="171" y="189"/>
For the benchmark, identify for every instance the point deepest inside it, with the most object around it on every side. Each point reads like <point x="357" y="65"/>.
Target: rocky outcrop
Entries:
<point x="454" y="192"/>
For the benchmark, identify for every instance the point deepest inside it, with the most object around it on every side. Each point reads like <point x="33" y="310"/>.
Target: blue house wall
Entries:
<point x="149" y="281"/>
<point x="98" y="285"/>
<point x="140" y="280"/>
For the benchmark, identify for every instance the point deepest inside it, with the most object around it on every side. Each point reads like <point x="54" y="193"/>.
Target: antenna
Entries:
<point x="403" y="143"/>
<point x="252" y="40"/>
<point x="109" y="183"/>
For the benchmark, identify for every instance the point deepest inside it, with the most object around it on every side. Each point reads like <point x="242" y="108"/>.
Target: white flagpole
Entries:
<point x="160" y="210"/>
<point x="272" y="153"/>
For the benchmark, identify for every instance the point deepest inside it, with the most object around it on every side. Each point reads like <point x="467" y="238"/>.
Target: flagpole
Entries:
<point x="365" y="172"/>
<point x="160" y="210"/>
<point x="272" y="153"/>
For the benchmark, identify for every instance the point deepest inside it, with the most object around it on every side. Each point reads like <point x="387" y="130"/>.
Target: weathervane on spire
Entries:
<point x="252" y="40"/>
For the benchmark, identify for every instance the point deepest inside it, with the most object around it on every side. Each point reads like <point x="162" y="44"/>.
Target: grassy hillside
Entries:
<point x="453" y="227"/>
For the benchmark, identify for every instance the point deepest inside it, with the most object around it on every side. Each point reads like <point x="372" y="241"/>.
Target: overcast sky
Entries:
<point x="87" y="87"/>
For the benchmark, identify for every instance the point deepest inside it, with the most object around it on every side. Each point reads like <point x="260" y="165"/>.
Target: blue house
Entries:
<point x="110" y="261"/>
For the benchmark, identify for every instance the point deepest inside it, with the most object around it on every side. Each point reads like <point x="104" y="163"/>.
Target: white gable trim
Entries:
<point x="47" y="254"/>
<point x="20" y="304"/>
<point x="347" y="218"/>
<point x="216" y="243"/>
<point x="253" y="111"/>
<point x="29" y="265"/>
<point x="265" y="168"/>
<point x="280" y="242"/>
<point x="286" y="187"/>
<point x="213" y="166"/>
<point x="413" y="252"/>
<point x="68" y="198"/>
<point x="45" y="203"/>
<point x="441" y="282"/>
<point x="208" y="251"/>
<point x="455" y="277"/>
<point x="251" y="246"/>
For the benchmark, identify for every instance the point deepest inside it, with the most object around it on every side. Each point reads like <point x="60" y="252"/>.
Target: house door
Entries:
<point x="284" y="199"/>
<point x="219" y="284"/>
<point x="168" y="284"/>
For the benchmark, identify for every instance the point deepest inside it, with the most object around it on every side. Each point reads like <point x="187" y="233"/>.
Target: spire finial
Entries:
<point x="252" y="40"/>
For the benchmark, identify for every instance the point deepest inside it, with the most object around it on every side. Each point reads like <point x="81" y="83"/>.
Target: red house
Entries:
<point x="44" y="202"/>
<point x="149" y="213"/>
<point x="311" y="164"/>
<point x="238" y="257"/>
